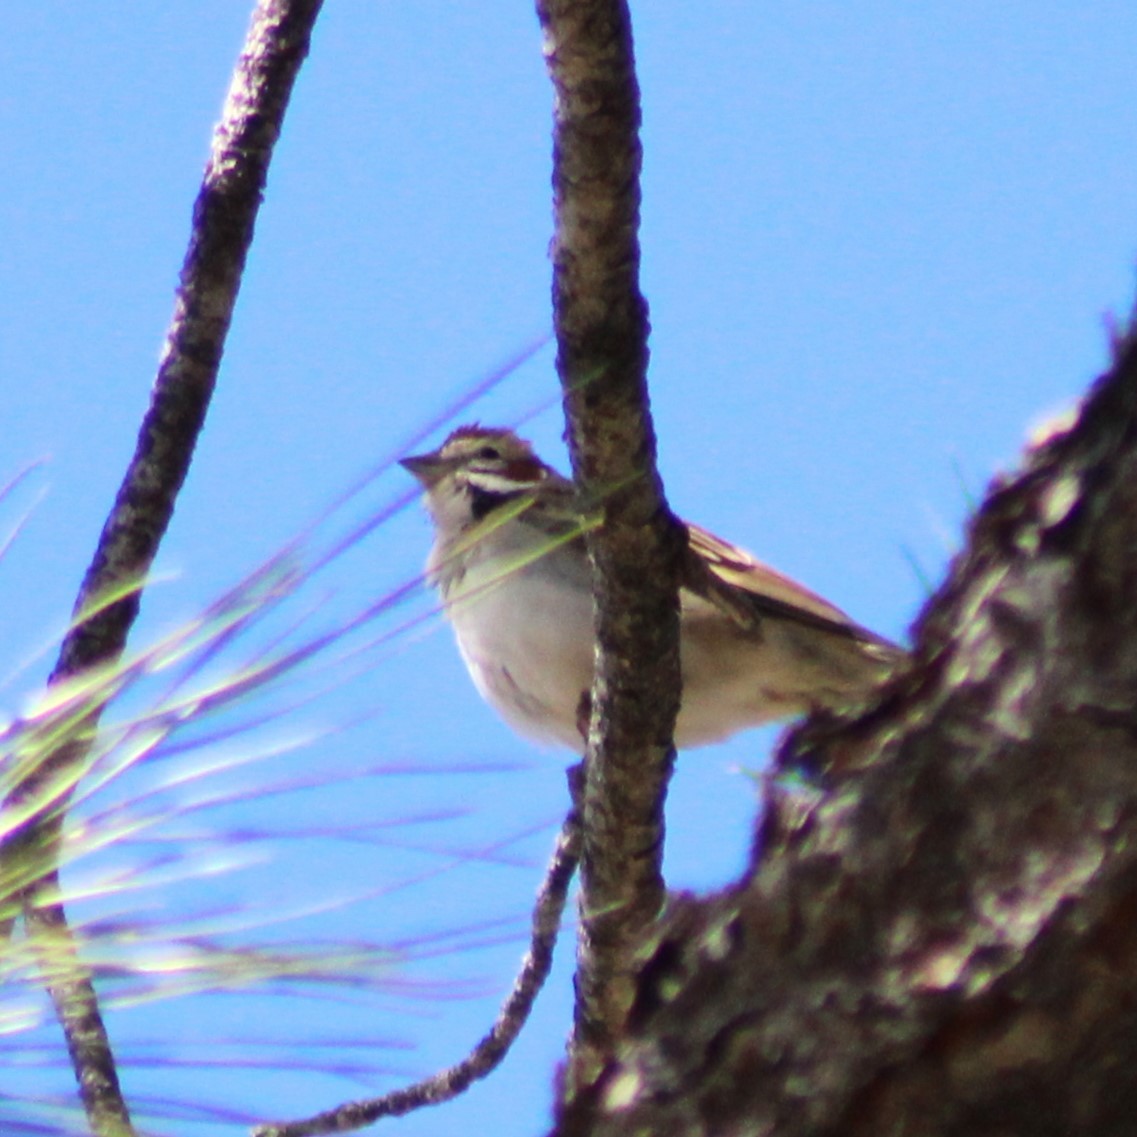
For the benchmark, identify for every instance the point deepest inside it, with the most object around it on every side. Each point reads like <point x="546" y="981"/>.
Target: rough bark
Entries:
<point x="601" y="323"/>
<point x="939" y="936"/>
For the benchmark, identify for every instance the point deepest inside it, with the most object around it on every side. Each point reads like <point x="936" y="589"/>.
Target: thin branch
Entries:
<point x="222" y="231"/>
<point x="602" y="327"/>
<point x="223" y="219"/>
<point x="493" y="1047"/>
<point x="77" y="1009"/>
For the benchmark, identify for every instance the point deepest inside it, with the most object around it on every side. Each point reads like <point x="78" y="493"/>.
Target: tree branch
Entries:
<point x="601" y="324"/>
<point x="548" y="911"/>
<point x="223" y="219"/>
<point x="222" y="231"/>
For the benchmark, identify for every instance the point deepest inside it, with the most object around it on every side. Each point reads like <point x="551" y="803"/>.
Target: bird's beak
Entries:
<point x="427" y="468"/>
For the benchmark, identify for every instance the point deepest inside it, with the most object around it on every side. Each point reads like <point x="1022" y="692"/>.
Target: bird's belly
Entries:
<point x="527" y="642"/>
<point x="734" y="679"/>
<point x="723" y="693"/>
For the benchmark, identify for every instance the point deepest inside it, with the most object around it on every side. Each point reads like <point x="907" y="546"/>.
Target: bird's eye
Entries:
<point x="490" y="453"/>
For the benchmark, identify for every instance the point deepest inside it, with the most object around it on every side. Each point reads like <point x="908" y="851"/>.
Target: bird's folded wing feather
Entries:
<point x="749" y="591"/>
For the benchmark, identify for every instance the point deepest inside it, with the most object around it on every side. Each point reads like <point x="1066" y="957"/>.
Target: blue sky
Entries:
<point x="880" y="242"/>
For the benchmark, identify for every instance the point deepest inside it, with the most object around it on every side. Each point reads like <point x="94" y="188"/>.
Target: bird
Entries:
<point x="510" y="564"/>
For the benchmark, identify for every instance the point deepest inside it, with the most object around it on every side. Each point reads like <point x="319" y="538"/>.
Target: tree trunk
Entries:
<point x="938" y="933"/>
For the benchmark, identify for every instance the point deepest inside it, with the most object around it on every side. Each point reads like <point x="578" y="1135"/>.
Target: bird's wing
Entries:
<point x="749" y="591"/>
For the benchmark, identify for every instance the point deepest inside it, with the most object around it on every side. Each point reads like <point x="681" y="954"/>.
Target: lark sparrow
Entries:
<point x="510" y="564"/>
